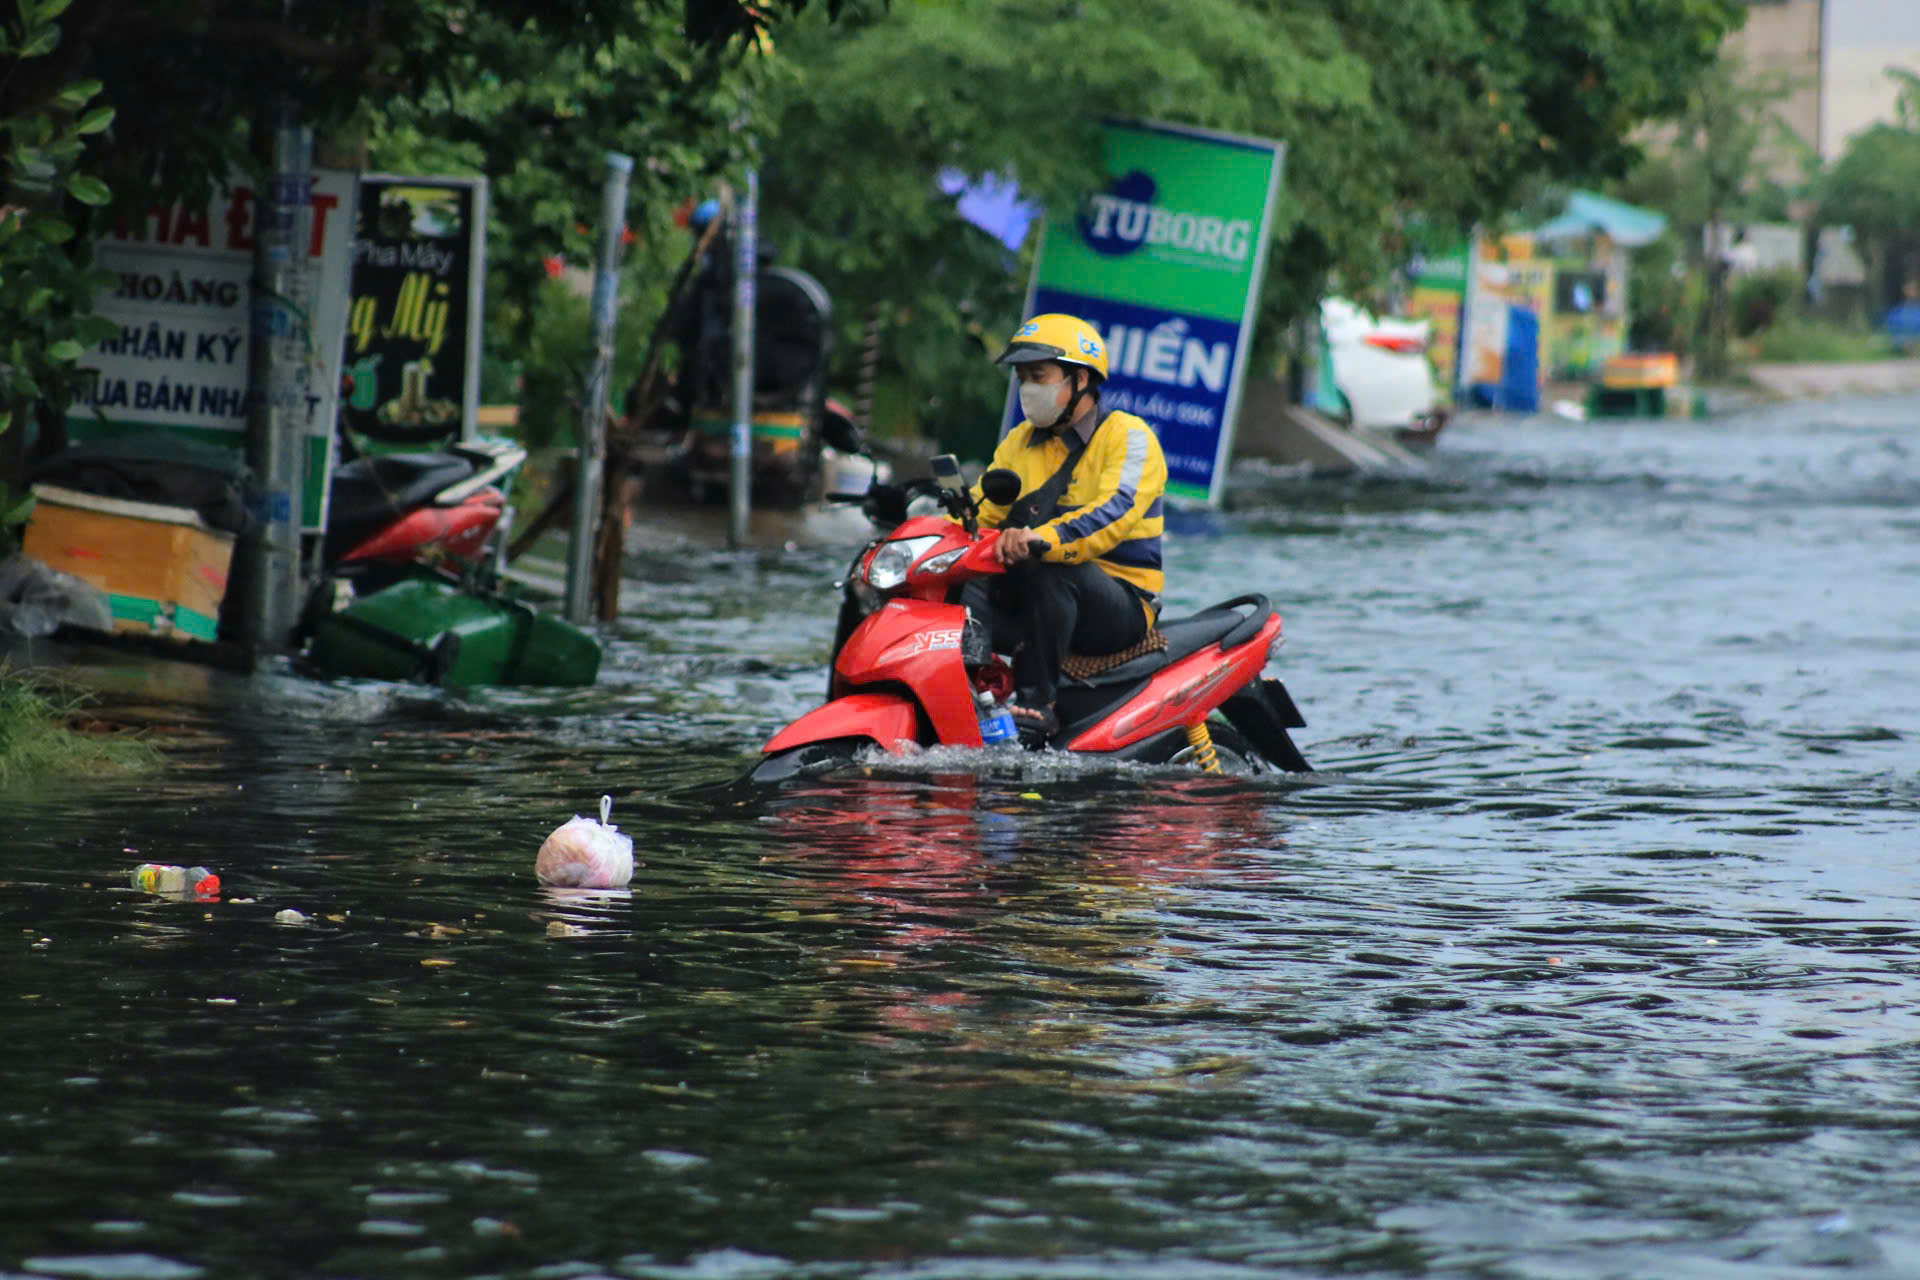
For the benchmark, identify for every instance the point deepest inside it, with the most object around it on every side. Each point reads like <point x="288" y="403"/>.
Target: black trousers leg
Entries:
<point x="1041" y="612"/>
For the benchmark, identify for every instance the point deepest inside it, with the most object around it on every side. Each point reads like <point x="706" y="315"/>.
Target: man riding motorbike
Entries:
<point x="1082" y="542"/>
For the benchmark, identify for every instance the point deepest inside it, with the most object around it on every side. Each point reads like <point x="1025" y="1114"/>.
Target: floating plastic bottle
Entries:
<point x="996" y="722"/>
<point x="165" y="878"/>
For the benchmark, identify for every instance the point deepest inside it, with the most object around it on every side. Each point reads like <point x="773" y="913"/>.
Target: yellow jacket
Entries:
<point x="1111" y="511"/>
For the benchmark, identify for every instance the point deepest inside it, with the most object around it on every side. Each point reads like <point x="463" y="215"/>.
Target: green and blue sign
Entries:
<point x="1166" y="263"/>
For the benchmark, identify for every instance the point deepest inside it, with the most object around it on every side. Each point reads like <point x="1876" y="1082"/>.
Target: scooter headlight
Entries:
<point x="888" y="568"/>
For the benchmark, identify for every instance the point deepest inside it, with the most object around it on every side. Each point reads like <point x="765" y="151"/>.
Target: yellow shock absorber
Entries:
<point x="1202" y="743"/>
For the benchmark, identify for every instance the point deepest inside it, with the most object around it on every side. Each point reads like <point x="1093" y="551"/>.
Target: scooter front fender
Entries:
<point x="887" y="718"/>
<point x="915" y="644"/>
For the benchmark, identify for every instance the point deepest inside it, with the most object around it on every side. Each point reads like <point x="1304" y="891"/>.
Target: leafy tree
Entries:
<point x="1875" y="188"/>
<point x="531" y="92"/>
<point x="203" y="72"/>
<point x="538" y="114"/>
<point x="46" y="285"/>
<point x="1394" y="111"/>
<point x="1712" y="170"/>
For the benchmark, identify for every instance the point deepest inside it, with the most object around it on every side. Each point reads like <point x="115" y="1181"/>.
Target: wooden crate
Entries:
<point x="163" y="568"/>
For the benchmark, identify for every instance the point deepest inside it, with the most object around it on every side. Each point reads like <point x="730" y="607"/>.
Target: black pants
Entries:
<point x="1040" y="612"/>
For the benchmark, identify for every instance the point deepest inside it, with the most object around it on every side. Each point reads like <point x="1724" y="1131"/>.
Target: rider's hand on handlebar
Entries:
<point x="1017" y="544"/>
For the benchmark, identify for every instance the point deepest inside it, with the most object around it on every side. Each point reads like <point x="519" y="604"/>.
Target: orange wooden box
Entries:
<point x="1658" y="370"/>
<point x="163" y="568"/>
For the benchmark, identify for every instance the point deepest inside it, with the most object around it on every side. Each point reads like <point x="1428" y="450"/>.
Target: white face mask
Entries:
<point x="1041" y="402"/>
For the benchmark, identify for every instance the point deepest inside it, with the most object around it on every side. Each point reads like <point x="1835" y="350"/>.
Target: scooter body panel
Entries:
<point x="459" y="531"/>
<point x="1184" y="693"/>
<point x="916" y="643"/>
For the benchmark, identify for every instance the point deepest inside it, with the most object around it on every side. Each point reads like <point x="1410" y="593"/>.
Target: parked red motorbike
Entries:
<point x="394" y="516"/>
<point x="391" y="512"/>
<point x="911" y="669"/>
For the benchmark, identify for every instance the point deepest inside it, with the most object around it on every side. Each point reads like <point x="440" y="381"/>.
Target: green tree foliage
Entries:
<point x="1394" y="111"/>
<point x="539" y="115"/>
<point x="1875" y="188"/>
<point x="195" y="77"/>
<point x="1715" y="164"/>
<point x="530" y="92"/>
<point x="46" y="286"/>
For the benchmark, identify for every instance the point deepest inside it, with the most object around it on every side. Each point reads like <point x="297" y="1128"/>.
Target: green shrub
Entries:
<point x="1664" y="298"/>
<point x="1758" y="298"/>
<point x="1794" y="337"/>
<point x="552" y="370"/>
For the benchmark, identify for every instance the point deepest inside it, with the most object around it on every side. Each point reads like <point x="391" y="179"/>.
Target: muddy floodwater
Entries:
<point x="1592" y="949"/>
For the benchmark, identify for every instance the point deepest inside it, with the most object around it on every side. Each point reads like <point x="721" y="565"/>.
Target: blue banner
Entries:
<point x="1174" y="370"/>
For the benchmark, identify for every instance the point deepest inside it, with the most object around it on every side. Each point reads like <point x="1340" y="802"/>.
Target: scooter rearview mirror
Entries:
<point x="1000" y="486"/>
<point x="946" y="471"/>
<point x="838" y="431"/>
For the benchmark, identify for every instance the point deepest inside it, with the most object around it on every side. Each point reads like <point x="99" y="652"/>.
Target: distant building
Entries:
<point x="1837" y="54"/>
<point x="1786" y="37"/>
<point x="1861" y="40"/>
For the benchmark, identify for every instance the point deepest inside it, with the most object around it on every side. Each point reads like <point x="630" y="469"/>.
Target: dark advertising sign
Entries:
<point x="412" y="364"/>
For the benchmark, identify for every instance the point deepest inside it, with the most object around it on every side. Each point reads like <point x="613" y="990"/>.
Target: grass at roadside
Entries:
<point x="37" y="739"/>
<point x="1799" y="339"/>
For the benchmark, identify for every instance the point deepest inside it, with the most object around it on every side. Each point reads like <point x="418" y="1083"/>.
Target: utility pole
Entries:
<point x="746" y="256"/>
<point x="278" y="367"/>
<point x="593" y="415"/>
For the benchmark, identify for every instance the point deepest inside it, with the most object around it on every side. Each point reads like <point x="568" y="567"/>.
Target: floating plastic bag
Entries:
<point x="36" y="599"/>
<point x="584" y="854"/>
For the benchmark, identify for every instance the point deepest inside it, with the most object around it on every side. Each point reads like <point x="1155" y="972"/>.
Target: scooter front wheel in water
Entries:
<point x="809" y="759"/>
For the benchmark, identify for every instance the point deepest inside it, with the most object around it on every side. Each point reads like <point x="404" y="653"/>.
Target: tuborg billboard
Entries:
<point x="1166" y="263"/>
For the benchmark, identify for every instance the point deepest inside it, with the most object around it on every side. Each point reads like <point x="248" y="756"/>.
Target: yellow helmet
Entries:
<point x="1067" y="339"/>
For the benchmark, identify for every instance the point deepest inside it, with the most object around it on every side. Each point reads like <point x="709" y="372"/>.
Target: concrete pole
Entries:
<point x="746" y="262"/>
<point x="593" y="414"/>
<point x="277" y="383"/>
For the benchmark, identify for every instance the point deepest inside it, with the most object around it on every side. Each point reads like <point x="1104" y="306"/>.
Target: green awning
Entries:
<point x="1588" y="212"/>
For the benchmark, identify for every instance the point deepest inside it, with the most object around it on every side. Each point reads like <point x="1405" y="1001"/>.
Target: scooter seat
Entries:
<point x="371" y="492"/>
<point x="1186" y="636"/>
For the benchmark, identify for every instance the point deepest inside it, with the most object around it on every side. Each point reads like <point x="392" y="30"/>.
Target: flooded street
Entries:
<point x="1592" y="949"/>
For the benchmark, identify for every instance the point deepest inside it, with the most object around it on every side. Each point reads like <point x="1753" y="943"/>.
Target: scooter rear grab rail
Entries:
<point x="1249" y="628"/>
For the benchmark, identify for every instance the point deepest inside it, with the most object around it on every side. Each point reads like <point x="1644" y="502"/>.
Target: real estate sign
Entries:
<point x="181" y="295"/>
<point x="1166" y="263"/>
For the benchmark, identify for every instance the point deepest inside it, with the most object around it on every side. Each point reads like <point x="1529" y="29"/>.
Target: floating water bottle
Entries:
<point x="996" y="722"/>
<point x="163" y="877"/>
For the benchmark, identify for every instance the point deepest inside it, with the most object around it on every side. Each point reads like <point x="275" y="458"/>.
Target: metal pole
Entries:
<point x="277" y="382"/>
<point x="746" y="255"/>
<point x="593" y="415"/>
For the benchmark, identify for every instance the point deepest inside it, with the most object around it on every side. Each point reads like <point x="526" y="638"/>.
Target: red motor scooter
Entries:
<point x="393" y="512"/>
<point x="910" y="669"/>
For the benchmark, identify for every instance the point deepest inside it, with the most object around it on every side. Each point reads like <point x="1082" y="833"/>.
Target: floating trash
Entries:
<point x="175" y="882"/>
<point x="584" y="854"/>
